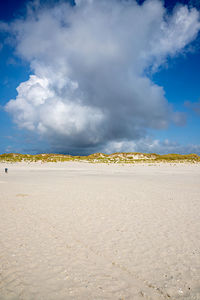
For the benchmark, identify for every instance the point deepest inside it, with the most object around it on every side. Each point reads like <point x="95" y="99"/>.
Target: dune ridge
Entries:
<point x="119" y="157"/>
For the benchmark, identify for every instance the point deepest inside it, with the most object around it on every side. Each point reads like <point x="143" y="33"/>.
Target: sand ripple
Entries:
<point x="102" y="233"/>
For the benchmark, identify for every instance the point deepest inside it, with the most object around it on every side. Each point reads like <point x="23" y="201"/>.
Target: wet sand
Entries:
<point x="92" y="231"/>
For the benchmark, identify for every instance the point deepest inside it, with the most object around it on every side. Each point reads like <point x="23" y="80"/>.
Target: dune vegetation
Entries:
<point x="131" y="157"/>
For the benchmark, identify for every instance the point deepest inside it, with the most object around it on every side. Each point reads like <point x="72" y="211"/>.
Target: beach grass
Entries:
<point x="119" y="157"/>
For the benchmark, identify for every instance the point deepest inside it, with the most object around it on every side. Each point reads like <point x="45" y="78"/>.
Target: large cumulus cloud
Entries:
<point x="89" y="86"/>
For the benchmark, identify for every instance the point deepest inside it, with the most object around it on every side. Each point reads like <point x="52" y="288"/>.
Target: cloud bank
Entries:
<point x="89" y="87"/>
<point x="149" y="145"/>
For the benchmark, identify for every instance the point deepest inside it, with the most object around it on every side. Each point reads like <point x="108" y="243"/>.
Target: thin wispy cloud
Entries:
<point x="194" y="106"/>
<point x="89" y="87"/>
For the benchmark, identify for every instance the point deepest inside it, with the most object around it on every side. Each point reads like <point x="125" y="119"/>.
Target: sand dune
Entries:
<point x="92" y="231"/>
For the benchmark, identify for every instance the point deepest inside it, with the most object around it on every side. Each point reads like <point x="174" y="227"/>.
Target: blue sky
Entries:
<point x="71" y="104"/>
<point x="181" y="83"/>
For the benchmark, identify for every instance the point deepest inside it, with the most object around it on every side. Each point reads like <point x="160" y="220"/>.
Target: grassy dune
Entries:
<point x="131" y="157"/>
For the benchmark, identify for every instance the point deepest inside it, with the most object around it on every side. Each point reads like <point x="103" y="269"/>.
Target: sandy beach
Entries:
<point x="97" y="231"/>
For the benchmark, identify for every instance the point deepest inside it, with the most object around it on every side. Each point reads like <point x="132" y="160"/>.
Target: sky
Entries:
<point x="86" y="76"/>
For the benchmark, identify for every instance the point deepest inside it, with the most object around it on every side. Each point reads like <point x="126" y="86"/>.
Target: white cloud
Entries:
<point x="89" y="86"/>
<point x="149" y="145"/>
<point x="39" y="108"/>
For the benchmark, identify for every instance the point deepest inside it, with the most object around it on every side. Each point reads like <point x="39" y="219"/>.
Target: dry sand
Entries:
<point x="91" y="231"/>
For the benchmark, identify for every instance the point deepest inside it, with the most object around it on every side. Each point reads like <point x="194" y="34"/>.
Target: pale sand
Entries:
<point x="86" y="231"/>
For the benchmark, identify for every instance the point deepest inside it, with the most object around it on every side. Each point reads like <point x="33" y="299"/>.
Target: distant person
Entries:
<point x="6" y="170"/>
